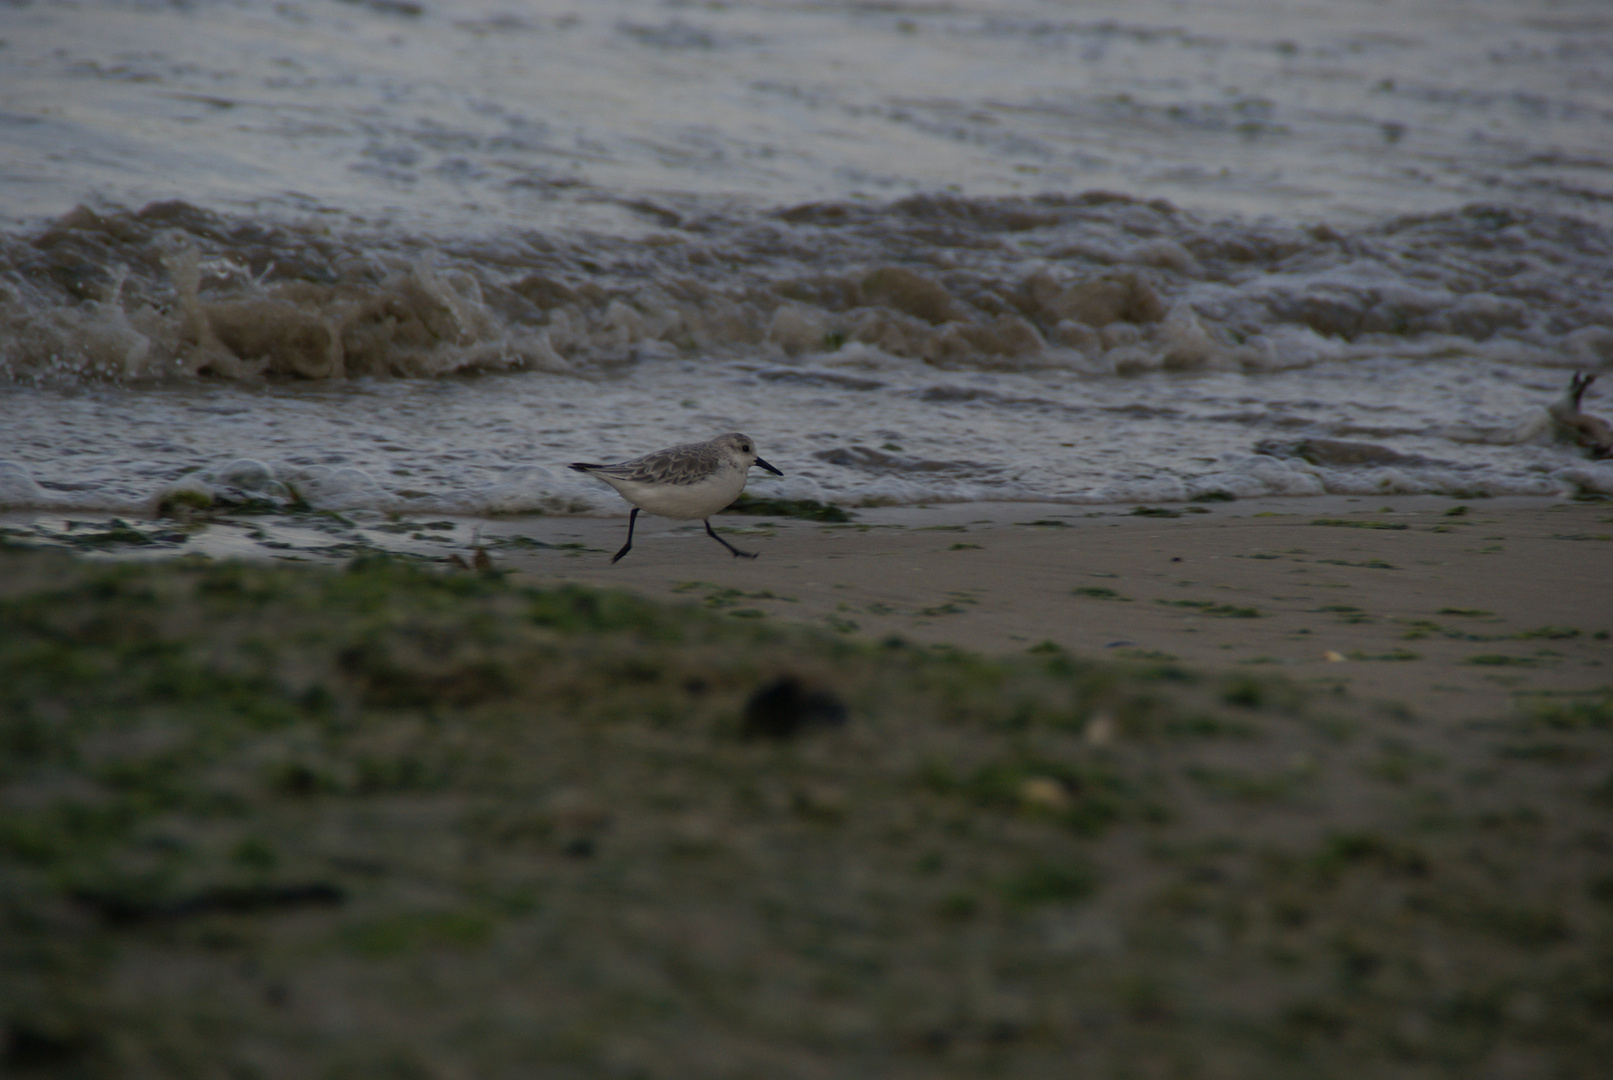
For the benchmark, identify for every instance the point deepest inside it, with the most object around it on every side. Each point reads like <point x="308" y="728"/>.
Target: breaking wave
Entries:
<point x="1096" y="284"/>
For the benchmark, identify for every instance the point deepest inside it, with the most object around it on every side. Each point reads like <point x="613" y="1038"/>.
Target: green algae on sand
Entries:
<point x="501" y="830"/>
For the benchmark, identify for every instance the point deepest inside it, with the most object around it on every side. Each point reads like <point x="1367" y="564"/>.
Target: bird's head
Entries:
<point x="741" y="450"/>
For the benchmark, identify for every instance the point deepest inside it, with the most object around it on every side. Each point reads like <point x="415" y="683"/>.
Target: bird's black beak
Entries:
<point x="759" y="463"/>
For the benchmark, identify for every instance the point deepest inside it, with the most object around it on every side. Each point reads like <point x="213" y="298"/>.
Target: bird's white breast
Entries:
<point x="698" y="500"/>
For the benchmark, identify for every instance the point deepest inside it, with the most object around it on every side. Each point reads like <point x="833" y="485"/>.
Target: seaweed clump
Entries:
<point x="807" y="509"/>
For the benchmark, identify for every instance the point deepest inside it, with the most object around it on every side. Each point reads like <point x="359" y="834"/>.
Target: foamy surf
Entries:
<point x="1093" y="285"/>
<point x="404" y="258"/>
<point x="1083" y="350"/>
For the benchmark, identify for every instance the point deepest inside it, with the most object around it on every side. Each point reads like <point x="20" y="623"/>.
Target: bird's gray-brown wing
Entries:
<point x="689" y="463"/>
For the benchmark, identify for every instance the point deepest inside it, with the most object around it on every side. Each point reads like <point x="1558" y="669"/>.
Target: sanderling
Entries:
<point x="694" y="480"/>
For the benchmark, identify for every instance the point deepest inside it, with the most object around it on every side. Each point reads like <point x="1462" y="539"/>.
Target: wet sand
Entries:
<point x="1452" y="609"/>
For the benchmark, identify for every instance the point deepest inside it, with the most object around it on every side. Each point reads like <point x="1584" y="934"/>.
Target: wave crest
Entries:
<point x="1097" y="284"/>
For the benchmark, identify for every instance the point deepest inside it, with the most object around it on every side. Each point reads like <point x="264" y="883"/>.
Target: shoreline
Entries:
<point x="1450" y="609"/>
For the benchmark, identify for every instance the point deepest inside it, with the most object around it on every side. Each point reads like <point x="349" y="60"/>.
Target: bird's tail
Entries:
<point x="583" y="466"/>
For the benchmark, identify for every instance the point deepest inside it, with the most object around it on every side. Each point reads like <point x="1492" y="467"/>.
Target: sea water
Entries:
<point x="410" y="256"/>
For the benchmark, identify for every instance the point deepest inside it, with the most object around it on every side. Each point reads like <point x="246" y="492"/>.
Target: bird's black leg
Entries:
<point x="726" y="544"/>
<point x="631" y="518"/>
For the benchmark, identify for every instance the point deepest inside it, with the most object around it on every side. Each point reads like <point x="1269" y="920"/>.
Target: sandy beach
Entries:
<point x="1452" y="609"/>
<point x="1178" y="644"/>
<point x="1338" y="805"/>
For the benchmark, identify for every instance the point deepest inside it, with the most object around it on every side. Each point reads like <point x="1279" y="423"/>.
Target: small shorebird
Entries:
<point x="692" y="480"/>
